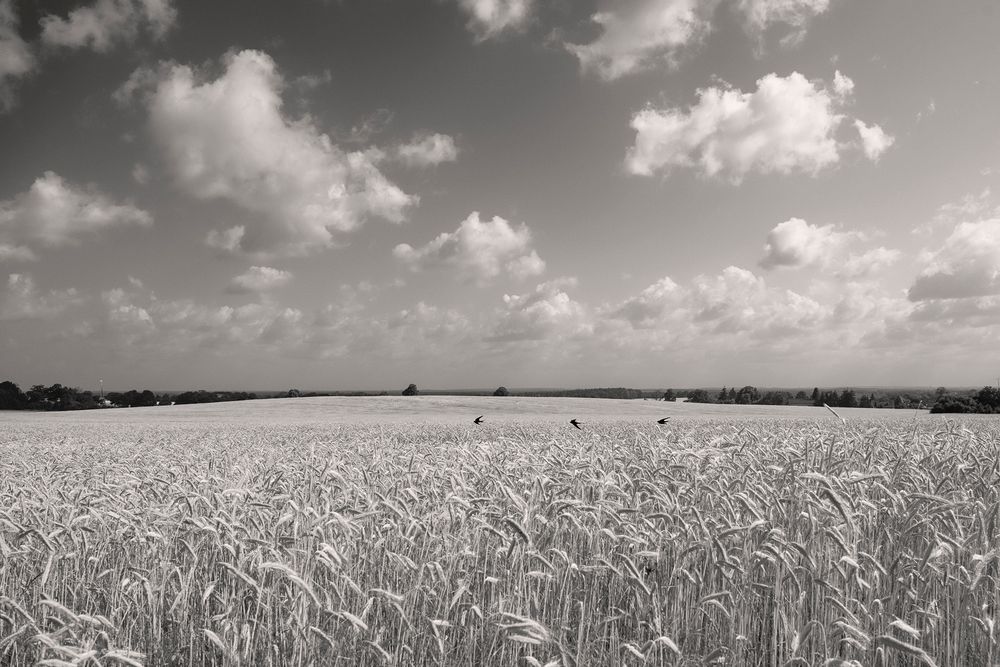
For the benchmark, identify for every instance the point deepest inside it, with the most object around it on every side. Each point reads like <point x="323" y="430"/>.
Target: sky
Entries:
<point x="361" y="194"/>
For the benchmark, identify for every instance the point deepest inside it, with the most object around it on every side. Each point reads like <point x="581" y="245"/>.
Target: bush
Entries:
<point x="951" y="403"/>
<point x="411" y="390"/>
<point x="501" y="391"/>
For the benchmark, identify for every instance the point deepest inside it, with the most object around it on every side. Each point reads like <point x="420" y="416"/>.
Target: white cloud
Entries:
<point x="874" y="140"/>
<point x="54" y="213"/>
<point x="18" y="253"/>
<point x="548" y="313"/>
<point x="101" y="25"/>
<point x="761" y="14"/>
<point x="489" y="19"/>
<point x="16" y="58"/>
<point x="260" y="279"/>
<point x="967" y="264"/>
<point x="875" y="260"/>
<point x="843" y="85"/>
<point x="642" y="34"/>
<point x="426" y="150"/>
<point x="795" y="243"/>
<point x="227" y="240"/>
<point x="480" y="251"/>
<point x="229" y="139"/>
<point x="22" y="300"/>
<point x="788" y="124"/>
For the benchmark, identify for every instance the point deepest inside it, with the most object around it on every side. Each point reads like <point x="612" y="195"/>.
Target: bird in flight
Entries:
<point x="478" y="420"/>
<point x="663" y="421"/>
<point x="575" y="423"/>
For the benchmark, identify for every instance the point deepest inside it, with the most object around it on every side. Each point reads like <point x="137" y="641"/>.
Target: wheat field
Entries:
<point x="737" y="541"/>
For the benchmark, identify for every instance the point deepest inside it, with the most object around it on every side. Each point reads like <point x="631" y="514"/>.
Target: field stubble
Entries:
<point x="743" y="542"/>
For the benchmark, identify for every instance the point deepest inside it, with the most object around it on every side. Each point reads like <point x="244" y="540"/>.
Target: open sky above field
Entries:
<point x="368" y="193"/>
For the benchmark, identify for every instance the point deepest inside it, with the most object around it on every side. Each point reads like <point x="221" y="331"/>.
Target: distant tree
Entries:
<point x="11" y="397"/>
<point x="847" y="399"/>
<point x="723" y="395"/>
<point x="775" y="398"/>
<point x="669" y="395"/>
<point x="147" y="398"/>
<point x="800" y="395"/>
<point x="411" y="390"/>
<point x="940" y="391"/>
<point x="747" y="395"/>
<point x="816" y="397"/>
<point x="989" y="398"/>
<point x="501" y="391"/>
<point x="699" y="396"/>
<point x="294" y="393"/>
<point x="865" y="401"/>
<point x="898" y="403"/>
<point x="731" y="398"/>
<point x="952" y="403"/>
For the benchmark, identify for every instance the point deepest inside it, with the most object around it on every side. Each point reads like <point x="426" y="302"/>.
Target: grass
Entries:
<point x="744" y="541"/>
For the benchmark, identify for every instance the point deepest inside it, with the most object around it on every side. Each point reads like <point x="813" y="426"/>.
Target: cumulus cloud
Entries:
<point x="53" y="212"/>
<point x="16" y="58"/>
<point x="789" y="124"/>
<point x="22" y="300"/>
<point x="796" y="244"/>
<point x="639" y="35"/>
<point x="732" y="304"/>
<point x="427" y="150"/>
<point x="643" y="34"/>
<point x="547" y="313"/>
<point x="796" y="14"/>
<point x="967" y="264"/>
<point x="479" y="250"/>
<point x="874" y="140"/>
<point x="260" y="279"/>
<point x="228" y="139"/>
<point x="105" y="23"/>
<point x="489" y="19"/>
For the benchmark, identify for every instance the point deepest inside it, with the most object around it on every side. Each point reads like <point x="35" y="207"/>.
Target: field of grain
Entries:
<point x="717" y="539"/>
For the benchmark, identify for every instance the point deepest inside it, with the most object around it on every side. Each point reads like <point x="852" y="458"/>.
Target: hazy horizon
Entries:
<point x="676" y="193"/>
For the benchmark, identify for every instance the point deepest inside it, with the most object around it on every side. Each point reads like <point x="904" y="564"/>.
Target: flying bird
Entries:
<point x="575" y="423"/>
<point x="663" y="421"/>
<point x="478" y="420"/>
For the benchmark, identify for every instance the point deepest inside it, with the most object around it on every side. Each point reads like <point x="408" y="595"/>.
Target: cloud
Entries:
<point x="228" y="139"/>
<point x="260" y="279"/>
<point x="479" y="251"/>
<point x="22" y="300"/>
<point x="788" y="124"/>
<point x="795" y="243"/>
<point x="548" y="313"/>
<point x="16" y="58"/>
<point x="106" y="22"/>
<point x="427" y="150"/>
<point x="874" y="140"/>
<point x="55" y="213"/>
<point x="489" y="19"/>
<point x="642" y="34"/>
<point x="967" y="264"/>
<point x="796" y="14"/>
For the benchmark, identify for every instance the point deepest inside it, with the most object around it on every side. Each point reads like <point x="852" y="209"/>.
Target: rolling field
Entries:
<point x="393" y="531"/>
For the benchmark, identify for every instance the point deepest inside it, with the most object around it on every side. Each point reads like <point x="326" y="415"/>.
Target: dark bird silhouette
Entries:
<point x="663" y="421"/>
<point x="478" y="420"/>
<point x="575" y="423"/>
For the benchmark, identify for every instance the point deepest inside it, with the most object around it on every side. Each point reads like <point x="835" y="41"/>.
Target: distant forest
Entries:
<point x="941" y="400"/>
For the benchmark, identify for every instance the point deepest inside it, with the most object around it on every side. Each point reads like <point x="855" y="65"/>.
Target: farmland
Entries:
<point x="354" y="531"/>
